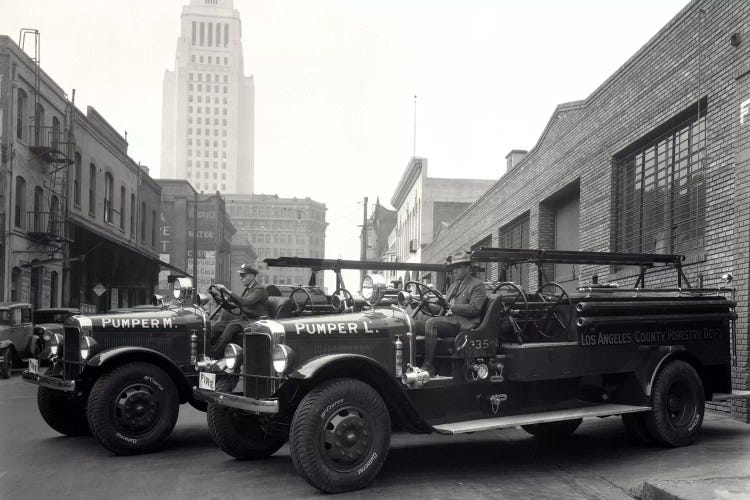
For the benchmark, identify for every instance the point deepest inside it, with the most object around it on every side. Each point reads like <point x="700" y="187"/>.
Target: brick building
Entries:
<point x="214" y="231"/>
<point x="655" y="160"/>
<point x="78" y="215"/>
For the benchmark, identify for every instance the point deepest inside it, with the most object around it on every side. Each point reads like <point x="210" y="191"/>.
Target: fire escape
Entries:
<point x="53" y="145"/>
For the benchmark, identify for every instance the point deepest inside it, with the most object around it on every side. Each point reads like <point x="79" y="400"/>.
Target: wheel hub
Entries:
<point x="136" y="409"/>
<point x="346" y="439"/>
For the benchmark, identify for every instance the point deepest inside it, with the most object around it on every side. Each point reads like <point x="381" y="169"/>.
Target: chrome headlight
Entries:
<point x="182" y="289"/>
<point x="233" y="356"/>
<point x="55" y="343"/>
<point x="373" y="287"/>
<point x="283" y="358"/>
<point x="89" y="347"/>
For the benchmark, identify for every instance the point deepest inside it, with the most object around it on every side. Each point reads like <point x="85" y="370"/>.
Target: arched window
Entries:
<point x="39" y="120"/>
<point x="153" y="228"/>
<point x="37" y="270"/>
<point x="56" y="133"/>
<point x="38" y="209"/>
<point x="132" y="214"/>
<point x="77" y="181"/>
<point x="108" y="192"/>
<point x="122" y="208"/>
<point x="19" y="202"/>
<point x="143" y="222"/>
<point x="92" y="189"/>
<point x="22" y="113"/>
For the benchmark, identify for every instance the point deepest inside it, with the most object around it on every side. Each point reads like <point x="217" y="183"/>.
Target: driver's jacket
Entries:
<point x="466" y="298"/>
<point x="254" y="302"/>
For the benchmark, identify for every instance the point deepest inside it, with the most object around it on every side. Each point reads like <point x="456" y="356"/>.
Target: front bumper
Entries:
<point x="49" y="382"/>
<point x="270" y="406"/>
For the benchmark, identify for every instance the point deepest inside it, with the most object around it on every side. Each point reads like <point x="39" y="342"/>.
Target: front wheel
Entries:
<point x="678" y="405"/>
<point x="133" y="408"/>
<point x="62" y="412"/>
<point x="237" y="434"/>
<point x="340" y="435"/>
<point x="553" y="430"/>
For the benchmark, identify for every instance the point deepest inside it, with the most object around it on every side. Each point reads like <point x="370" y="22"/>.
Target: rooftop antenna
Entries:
<point x="414" y="151"/>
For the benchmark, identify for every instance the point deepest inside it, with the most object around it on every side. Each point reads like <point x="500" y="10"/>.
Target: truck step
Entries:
<point x="735" y="394"/>
<point x="541" y="417"/>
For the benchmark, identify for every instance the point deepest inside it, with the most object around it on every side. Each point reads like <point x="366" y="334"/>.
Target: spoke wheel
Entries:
<point x="344" y="299"/>
<point x="555" y="311"/>
<point x="428" y="299"/>
<point x="515" y="313"/>
<point x="308" y="302"/>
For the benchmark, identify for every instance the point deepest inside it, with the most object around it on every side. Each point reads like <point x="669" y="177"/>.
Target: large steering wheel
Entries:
<point x="225" y="300"/>
<point x="515" y="310"/>
<point x="428" y="297"/>
<point x="302" y="305"/>
<point x="556" y="311"/>
<point x="343" y="300"/>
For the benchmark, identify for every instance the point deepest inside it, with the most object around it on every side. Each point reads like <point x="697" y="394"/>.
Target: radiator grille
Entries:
<point x="257" y="365"/>
<point x="71" y="351"/>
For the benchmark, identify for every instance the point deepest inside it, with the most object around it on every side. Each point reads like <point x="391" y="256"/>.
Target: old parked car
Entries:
<point x="334" y="386"/>
<point x="51" y="320"/>
<point x="17" y="339"/>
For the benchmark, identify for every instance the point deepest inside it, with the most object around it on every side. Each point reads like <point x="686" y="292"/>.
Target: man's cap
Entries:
<point x="457" y="258"/>
<point x="247" y="269"/>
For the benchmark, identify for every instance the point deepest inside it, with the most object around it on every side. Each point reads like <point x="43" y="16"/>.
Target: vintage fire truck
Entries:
<point x="336" y="386"/>
<point x="122" y="375"/>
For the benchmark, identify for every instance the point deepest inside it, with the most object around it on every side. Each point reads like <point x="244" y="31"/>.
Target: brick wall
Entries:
<point x="689" y="59"/>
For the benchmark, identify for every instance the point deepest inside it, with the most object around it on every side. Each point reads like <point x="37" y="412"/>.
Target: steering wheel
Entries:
<point x="225" y="300"/>
<point x="302" y="305"/>
<point x="515" y="309"/>
<point x="556" y="312"/>
<point x="344" y="300"/>
<point x="427" y="297"/>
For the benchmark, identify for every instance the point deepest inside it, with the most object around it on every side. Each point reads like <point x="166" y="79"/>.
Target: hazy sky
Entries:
<point x="335" y="80"/>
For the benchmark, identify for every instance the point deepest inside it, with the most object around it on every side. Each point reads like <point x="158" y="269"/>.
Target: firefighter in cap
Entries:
<point x="254" y="303"/>
<point x="465" y="299"/>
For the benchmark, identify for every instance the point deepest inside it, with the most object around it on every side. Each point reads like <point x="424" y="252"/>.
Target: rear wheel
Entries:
<point x="678" y="405"/>
<point x="239" y="434"/>
<point x="340" y="435"/>
<point x="62" y="412"/>
<point x="133" y="408"/>
<point x="553" y="430"/>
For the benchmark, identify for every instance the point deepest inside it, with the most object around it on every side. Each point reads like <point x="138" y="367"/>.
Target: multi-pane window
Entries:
<point x="77" y="181"/>
<point x="92" y="189"/>
<point x="661" y="197"/>
<point x="516" y="235"/>
<point x="108" y="198"/>
<point x="122" y="208"/>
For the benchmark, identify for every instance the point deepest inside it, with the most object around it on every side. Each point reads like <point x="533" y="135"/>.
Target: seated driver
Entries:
<point x="254" y="303"/>
<point x="465" y="299"/>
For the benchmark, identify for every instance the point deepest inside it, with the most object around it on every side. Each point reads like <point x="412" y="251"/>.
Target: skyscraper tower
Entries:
<point x="208" y="116"/>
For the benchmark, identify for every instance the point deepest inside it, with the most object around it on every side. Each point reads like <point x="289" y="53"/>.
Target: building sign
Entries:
<point x="99" y="289"/>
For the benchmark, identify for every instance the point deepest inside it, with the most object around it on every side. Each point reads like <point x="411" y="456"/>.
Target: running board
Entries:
<point x="542" y="417"/>
<point x="735" y="394"/>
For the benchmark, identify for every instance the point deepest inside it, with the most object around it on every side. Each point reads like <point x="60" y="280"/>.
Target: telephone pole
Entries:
<point x="363" y="252"/>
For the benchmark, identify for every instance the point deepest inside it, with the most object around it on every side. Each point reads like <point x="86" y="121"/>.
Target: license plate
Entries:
<point x="207" y="381"/>
<point x="33" y="366"/>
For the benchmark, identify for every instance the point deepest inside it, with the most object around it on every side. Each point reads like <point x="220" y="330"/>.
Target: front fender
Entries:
<point x="120" y="355"/>
<point x="356" y="366"/>
<point x="4" y="344"/>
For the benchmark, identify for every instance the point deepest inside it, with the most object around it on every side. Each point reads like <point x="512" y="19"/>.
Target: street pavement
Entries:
<point x="596" y="463"/>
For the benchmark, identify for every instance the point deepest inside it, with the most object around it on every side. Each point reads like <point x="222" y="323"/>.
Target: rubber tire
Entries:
<point x="635" y="428"/>
<point x="657" y="422"/>
<point x="553" y="430"/>
<point x="101" y="399"/>
<point x="62" y="413"/>
<point x="305" y="430"/>
<point x="7" y="364"/>
<point x="230" y="433"/>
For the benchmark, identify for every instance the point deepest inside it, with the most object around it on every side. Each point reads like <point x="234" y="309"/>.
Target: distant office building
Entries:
<point x="208" y="116"/>
<point x="380" y="224"/>
<point x="214" y="231"/>
<point x="277" y="227"/>
<point x="424" y="205"/>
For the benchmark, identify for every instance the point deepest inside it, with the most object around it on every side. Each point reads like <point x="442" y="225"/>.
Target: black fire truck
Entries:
<point x="335" y="386"/>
